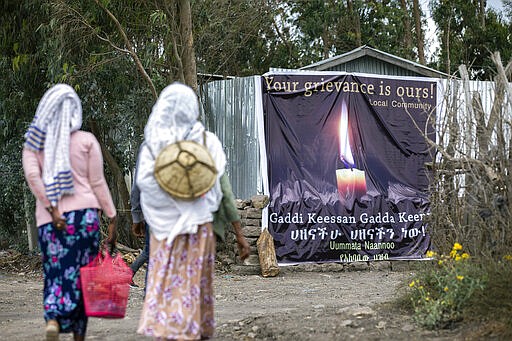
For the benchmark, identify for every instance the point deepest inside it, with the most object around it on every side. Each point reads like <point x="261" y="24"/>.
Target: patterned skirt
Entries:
<point x="63" y="252"/>
<point x="179" y="293"/>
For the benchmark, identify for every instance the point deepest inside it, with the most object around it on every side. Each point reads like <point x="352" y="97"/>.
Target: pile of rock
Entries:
<point x="250" y="216"/>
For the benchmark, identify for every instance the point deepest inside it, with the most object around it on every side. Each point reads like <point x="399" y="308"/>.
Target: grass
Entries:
<point x="493" y="304"/>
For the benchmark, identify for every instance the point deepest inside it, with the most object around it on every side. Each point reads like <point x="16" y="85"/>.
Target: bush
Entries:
<point x="440" y="293"/>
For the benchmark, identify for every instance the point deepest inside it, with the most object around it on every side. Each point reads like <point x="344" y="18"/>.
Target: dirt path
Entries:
<point x="312" y="302"/>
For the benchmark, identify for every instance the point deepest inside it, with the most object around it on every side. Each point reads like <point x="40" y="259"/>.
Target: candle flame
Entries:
<point x="345" y="151"/>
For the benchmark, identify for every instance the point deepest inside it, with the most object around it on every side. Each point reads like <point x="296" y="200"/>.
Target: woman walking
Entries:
<point x="63" y="167"/>
<point x="179" y="295"/>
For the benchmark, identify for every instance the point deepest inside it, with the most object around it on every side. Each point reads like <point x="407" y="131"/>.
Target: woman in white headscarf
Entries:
<point x="179" y="294"/>
<point x="63" y="167"/>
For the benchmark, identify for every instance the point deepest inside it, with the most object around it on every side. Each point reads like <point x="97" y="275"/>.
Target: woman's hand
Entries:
<point x="112" y="232"/>
<point x="58" y="219"/>
<point x="138" y="229"/>
<point x="243" y="245"/>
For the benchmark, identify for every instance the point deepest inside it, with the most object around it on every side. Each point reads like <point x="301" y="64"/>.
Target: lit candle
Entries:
<point x="351" y="181"/>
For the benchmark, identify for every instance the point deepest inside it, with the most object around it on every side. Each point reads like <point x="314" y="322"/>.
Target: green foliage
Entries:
<point x="494" y="304"/>
<point x="468" y="35"/>
<point x="507" y="6"/>
<point x="440" y="293"/>
<point x="242" y="37"/>
<point x="12" y="212"/>
<point x="327" y="28"/>
<point x="456" y="288"/>
<point x="22" y="82"/>
<point x="43" y="43"/>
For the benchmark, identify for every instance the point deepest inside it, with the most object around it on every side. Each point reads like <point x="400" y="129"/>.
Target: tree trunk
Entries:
<point x="447" y="46"/>
<point x="407" y="29"/>
<point x="482" y="13"/>
<point x="419" y="32"/>
<point x="354" y="15"/>
<point x="326" y="42"/>
<point x="188" y="54"/>
<point x="29" y="220"/>
<point x="119" y="191"/>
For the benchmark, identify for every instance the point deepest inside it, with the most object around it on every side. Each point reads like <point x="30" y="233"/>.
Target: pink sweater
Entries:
<point x="91" y="190"/>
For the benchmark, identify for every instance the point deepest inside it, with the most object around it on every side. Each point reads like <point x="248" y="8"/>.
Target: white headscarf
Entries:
<point x="58" y="114"/>
<point x="174" y="118"/>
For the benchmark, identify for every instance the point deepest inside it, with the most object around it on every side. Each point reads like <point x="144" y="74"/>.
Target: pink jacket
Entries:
<point x="91" y="189"/>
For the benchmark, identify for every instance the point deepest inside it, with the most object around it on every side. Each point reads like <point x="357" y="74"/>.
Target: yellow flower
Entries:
<point x="427" y="298"/>
<point x="440" y="262"/>
<point x="465" y="255"/>
<point x="460" y="278"/>
<point x="453" y="253"/>
<point x="411" y="284"/>
<point x="445" y="289"/>
<point x="507" y="257"/>
<point x="430" y="254"/>
<point x="457" y="246"/>
<point x="458" y="258"/>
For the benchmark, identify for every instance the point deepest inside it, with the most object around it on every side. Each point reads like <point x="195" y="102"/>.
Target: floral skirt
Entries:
<point x="63" y="252"/>
<point x="179" y="294"/>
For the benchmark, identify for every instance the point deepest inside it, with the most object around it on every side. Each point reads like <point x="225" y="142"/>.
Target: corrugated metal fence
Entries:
<point x="459" y="95"/>
<point x="229" y="111"/>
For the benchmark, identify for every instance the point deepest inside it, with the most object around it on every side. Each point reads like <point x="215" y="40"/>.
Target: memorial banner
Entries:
<point x="346" y="159"/>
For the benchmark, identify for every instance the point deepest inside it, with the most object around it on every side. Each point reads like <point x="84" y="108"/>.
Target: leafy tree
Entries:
<point x="22" y="82"/>
<point x="242" y="37"/>
<point x="123" y="53"/>
<point x="116" y="65"/>
<point x="325" y="27"/>
<point x="469" y="33"/>
<point x="328" y="28"/>
<point x="507" y="6"/>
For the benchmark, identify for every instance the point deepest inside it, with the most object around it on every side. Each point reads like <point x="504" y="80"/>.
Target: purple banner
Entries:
<point x="346" y="169"/>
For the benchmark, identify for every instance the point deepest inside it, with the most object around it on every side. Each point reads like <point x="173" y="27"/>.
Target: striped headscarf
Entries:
<point x="58" y="114"/>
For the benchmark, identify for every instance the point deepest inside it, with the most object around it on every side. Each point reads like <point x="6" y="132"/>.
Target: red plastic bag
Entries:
<point x="105" y="286"/>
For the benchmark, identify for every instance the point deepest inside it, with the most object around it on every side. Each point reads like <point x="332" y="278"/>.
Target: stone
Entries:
<point x="252" y="260"/>
<point x="251" y="222"/>
<point x="251" y="213"/>
<point x="361" y="312"/>
<point x="381" y="325"/>
<point x="251" y="231"/>
<point x="358" y="266"/>
<point x="347" y="323"/>
<point x="240" y="204"/>
<point x="260" y="201"/>
<point x="380" y="265"/>
<point x="408" y="327"/>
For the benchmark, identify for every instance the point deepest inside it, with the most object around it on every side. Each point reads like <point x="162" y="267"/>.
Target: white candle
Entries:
<point x="351" y="182"/>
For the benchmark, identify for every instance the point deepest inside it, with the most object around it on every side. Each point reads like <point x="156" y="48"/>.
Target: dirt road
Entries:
<point x="307" y="302"/>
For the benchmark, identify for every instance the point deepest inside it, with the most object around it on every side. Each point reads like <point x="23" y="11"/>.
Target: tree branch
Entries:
<point x="131" y="50"/>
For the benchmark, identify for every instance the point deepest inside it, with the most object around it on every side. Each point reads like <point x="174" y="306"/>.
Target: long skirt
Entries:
<point x="63" y="252"/>
<point x="179" y="296"/>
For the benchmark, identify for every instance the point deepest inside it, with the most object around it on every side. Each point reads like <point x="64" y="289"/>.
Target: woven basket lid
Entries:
<point x="185" y="170"/>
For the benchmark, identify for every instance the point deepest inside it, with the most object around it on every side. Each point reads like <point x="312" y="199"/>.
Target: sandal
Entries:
<point x="52" y="330"/>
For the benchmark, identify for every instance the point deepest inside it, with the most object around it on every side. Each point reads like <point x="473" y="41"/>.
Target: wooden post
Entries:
<point x="267" y="255"/>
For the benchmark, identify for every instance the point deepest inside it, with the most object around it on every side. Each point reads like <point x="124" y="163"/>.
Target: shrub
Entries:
<point x="440" y="293"/>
